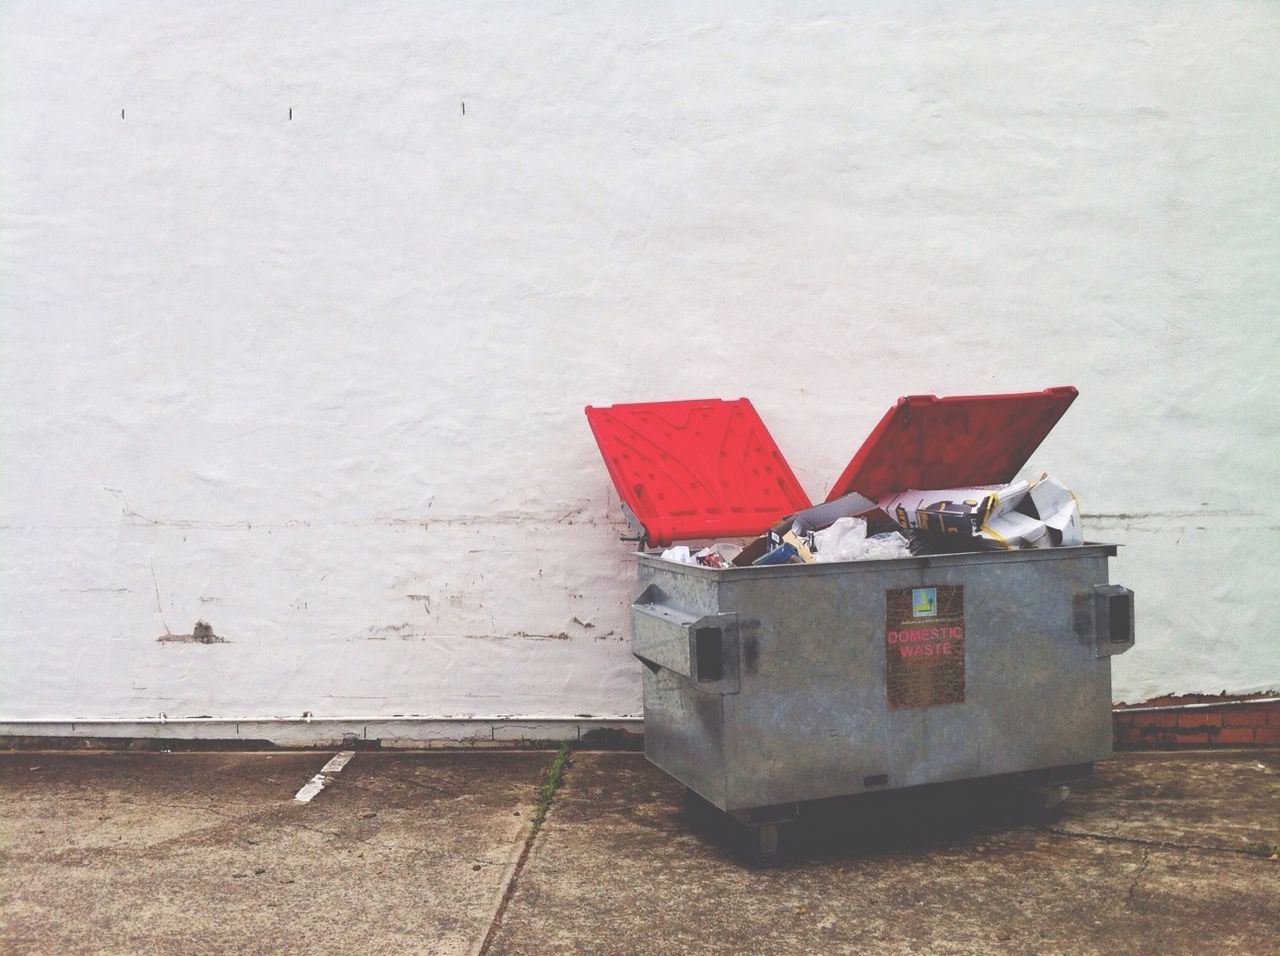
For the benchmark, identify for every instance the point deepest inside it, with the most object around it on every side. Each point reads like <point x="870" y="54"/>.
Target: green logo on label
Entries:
<point x="924" y="602"/>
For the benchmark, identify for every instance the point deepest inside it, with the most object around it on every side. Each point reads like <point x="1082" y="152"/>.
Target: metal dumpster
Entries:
<point x="766" y="687"/>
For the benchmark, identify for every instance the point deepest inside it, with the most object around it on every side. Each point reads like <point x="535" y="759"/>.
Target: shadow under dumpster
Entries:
<point x="883" y="824"/>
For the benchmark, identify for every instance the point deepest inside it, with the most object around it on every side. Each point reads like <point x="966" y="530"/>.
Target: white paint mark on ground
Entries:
<point x="338" y="762"/>
<point x="312" y="787"/>
<point x="321" y="780"/>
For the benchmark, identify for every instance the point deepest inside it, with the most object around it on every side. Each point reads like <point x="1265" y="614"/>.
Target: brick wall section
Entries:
<point x="1234" y="722"/>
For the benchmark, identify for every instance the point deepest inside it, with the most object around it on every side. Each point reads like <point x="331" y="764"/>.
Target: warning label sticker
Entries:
<point x="924" y="646"/>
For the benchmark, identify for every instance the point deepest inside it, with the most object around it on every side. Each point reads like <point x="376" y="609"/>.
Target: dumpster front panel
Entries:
<point x="1021" y="685"/>
<point x="1038" y="693"/>
<point x="811" y="720"/>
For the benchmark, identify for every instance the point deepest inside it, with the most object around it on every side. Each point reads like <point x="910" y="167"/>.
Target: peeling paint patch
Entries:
<point x="201" y="633"/>
<point x="525" y="635"/>
<point x="381" y="632"/>
<point x="490" y="518"/>
<point x="518" y="635"/>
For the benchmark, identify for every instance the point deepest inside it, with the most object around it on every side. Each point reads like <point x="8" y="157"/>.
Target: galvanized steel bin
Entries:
<point x="777" y="685"/>
<point x="767" y="687"/>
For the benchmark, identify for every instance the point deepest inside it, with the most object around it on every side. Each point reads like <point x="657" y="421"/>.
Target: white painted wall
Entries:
<point x="320" y="380"/>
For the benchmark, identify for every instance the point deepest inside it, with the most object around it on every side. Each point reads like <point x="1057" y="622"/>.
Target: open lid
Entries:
<point x="702" y="468"/>
<point x="928" y="442"/>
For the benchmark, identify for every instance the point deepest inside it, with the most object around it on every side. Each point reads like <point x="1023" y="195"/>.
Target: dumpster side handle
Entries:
<point x="1112" y="619"/>
<point x="703" y="650"/>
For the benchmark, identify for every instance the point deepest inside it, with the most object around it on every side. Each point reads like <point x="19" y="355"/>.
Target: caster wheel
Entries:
<point x="765" y="846"/>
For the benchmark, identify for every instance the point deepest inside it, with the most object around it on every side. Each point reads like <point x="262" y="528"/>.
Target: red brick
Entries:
<point x="1182" y="738"/>
<point x="1235" y="735"/>
<point x="1245" y="717"/>
<point x="1199" y="718"/>
<point x="1165" y="719"/>
<point x="1267" y="735"/>
<point x="1273" y="717"/>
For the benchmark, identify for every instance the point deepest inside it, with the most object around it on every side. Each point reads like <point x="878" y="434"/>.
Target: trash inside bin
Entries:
<point x="768" y="684"/>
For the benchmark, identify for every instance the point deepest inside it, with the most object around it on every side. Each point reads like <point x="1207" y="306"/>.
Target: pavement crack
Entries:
<point x="304" y="826"/>
<point x="1142" y="868"/>
<point x="1161" y="844"/>
<point x="546" y="796"/>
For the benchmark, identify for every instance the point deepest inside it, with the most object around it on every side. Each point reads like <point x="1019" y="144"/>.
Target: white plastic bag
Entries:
<point x="888" y="545"/>
<point x="843" y="541"/>
<point x="846" y="540"/>
<point x="680" y="554"/>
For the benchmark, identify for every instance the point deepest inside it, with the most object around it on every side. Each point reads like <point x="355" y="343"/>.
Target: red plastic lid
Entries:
<point x="929" y="442"/>
<point x="703" y="468"/>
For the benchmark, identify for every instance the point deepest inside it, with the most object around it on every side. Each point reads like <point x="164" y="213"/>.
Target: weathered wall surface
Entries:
<point x="317" y="378"/>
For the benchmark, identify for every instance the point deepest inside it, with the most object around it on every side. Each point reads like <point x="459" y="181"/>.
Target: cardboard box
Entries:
<point x="1023" y="514"/>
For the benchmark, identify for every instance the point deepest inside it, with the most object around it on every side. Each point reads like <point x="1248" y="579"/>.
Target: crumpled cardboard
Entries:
<point x="1023" y="514"/>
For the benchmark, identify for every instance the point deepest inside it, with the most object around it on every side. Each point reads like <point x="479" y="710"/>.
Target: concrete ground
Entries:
<point x="429" y="853"/>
